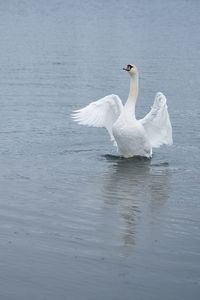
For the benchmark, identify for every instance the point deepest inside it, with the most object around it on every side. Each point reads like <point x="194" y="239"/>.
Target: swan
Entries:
<point x="131" y="136"/>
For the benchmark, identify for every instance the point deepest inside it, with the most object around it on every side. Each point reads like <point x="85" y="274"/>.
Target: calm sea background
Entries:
<point x="76" y="221"/>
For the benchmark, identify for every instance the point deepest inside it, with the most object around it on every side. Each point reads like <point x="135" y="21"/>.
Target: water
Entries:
<point x="77" y="221"/>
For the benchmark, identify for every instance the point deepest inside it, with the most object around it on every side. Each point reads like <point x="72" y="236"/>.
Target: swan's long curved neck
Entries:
<point x="132" y="97"/>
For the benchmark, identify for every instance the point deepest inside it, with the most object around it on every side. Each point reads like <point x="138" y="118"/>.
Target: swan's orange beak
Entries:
<point x="128" y="68"/>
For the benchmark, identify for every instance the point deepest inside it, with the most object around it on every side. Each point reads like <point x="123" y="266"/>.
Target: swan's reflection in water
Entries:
<point x="136" y="189"/>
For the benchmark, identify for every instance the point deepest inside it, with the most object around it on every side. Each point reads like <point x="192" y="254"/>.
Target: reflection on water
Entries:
<point x="138" y="189"/>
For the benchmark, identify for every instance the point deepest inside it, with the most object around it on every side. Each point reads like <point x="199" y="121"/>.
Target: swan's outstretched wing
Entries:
<point x="101" y="113"/>
<point x="157" y="123"/>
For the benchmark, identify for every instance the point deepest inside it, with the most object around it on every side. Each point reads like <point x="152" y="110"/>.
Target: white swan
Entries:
<point x="132" y="137"/>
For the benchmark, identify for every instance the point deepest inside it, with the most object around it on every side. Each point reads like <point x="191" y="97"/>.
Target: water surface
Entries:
<point x="77" y="221"/>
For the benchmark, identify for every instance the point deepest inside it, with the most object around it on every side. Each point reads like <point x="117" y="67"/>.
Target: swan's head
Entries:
<point x="131" y="69"/>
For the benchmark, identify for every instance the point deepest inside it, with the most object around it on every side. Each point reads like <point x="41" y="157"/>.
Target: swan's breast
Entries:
<point x="127" y="128"/>
<point x="131" y="138"/>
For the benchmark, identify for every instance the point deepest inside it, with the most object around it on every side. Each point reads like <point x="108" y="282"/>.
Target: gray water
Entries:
<point x="76" y="220"/>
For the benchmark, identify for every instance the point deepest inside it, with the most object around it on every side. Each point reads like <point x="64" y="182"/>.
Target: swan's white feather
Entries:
<point x="157" y="123"/>
<point x="131" y="136"/>
<point x="101" y="113"/>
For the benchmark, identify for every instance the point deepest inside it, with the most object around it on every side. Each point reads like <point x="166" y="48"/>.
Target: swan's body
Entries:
<point x="132" y="137"/>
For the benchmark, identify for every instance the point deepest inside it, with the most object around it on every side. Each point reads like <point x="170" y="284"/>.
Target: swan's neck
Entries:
<point x="132" y="97"/>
